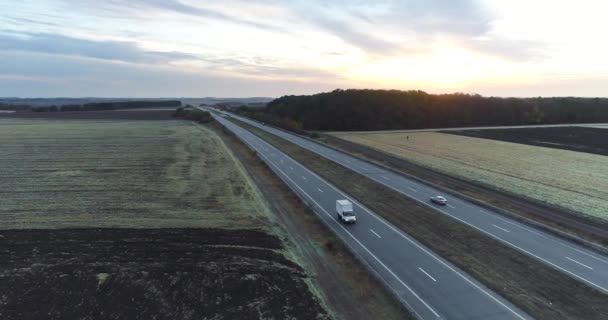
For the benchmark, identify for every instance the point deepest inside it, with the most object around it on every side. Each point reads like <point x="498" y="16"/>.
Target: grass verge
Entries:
<point x="531" y="285"/>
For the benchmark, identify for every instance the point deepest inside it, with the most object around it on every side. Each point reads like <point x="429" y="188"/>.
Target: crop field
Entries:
<point x="138" y="219"/>
<point x="121" y="174"/>
<point x="576" y="138"/>
<point x="573" y="180"/>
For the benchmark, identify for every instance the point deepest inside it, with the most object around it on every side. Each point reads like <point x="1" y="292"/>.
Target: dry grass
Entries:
<point x="572" y="180"/>
<point x="121" y="174"/>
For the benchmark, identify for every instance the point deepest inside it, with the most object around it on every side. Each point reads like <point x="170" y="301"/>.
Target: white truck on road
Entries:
<point x="344" y="209"/>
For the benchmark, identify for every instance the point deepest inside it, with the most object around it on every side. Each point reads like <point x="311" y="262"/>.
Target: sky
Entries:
<point x="240" y="48"/>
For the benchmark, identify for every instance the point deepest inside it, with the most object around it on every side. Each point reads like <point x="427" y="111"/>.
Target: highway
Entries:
<point x="585" y="265"/>
<point x="425" y="283"/>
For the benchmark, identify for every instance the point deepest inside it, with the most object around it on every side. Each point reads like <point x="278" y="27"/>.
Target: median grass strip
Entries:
<point x="531" y="285"/>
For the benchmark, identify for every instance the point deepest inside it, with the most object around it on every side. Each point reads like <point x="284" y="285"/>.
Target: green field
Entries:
<point x="573" y="180"/>
<point x="58" y="174"/>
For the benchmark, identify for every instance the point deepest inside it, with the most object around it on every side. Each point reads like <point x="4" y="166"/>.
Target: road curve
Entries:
<point x="577" y="261"/>
<point x="425" y="283"/>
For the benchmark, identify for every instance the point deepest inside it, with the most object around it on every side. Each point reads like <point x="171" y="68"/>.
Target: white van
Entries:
<point x="344" y="209"/>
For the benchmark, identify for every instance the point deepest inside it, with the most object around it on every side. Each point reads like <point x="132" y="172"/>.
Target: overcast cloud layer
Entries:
<point x="270" y="48"/>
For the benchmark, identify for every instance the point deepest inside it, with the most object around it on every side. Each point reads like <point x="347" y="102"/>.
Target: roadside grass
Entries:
<point x="573" y="180"/>
<point x="541" y="291"/>
<point x="58" y="174"/>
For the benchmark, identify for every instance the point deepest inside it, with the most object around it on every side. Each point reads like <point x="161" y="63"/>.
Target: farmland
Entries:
<point x="573" y="180"/>
<point x="576" y="138"/>
<point x="138" y="220"/>
<point x="120" y="174"/>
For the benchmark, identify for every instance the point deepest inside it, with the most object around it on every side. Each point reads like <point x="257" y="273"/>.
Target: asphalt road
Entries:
<point x="573" y="259"/>
<point x="424" y="282"/>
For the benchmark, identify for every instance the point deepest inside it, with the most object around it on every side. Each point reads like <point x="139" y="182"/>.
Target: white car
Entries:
<point x="439" y="200"/>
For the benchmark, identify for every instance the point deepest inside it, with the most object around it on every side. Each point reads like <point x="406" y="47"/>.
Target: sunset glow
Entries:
<point x="273" y="47"/>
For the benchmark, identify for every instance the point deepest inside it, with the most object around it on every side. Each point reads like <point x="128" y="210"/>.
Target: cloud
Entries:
<point x="31" y="74"/>
<point x="519" y="50"/>
<point x="106" y="50"/>
<point x="180" y="7"/>
<point x="397" y="27"/>
<point x="123" y="51"/>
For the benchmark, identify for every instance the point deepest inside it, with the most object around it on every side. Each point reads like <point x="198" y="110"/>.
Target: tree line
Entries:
<point x="353" y="110"/>
<point x="100" y="106"/>
<point x="190" y="113"/>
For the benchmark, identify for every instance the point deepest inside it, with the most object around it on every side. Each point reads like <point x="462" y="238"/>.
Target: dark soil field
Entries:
<point x="581" y="139"/>
<point x="146" y="114"/>
<point x="539" y="290"/>
<point x="150" y="274"/>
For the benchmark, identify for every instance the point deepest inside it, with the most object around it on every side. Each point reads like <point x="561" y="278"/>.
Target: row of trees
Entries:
<point x="15" y="107"/>
<point x="99" y="106"/>
<point x="193" y="114"/>
<point x="392" y="109"/>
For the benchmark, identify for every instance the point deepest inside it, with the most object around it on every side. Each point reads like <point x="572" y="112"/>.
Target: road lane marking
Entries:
<point x="503" y="229"/>
<point x="547" y="237"/>
<point x="361" y="244"/>
<point x="412" y="189"/>
<point x="377" y="235"/>
<point x="290" y="167"/>
<point x="451" y="206"/>
<point x="281" y="160"/>
<point x="537" y="256"/>
<point x="420" y="247"/>
<point x="500" y="239"/>
<point x="428" y="275"/>
<point x="410" y="240"/>
<point x="387" y="178"/>
<point x="355" y="239"/>
<point x="585" y="253"/>
<point x="584" y="265"/>
<point x="435" y="257"/>
<point x="320" y="190"/>
<point x="303" y="177"/>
